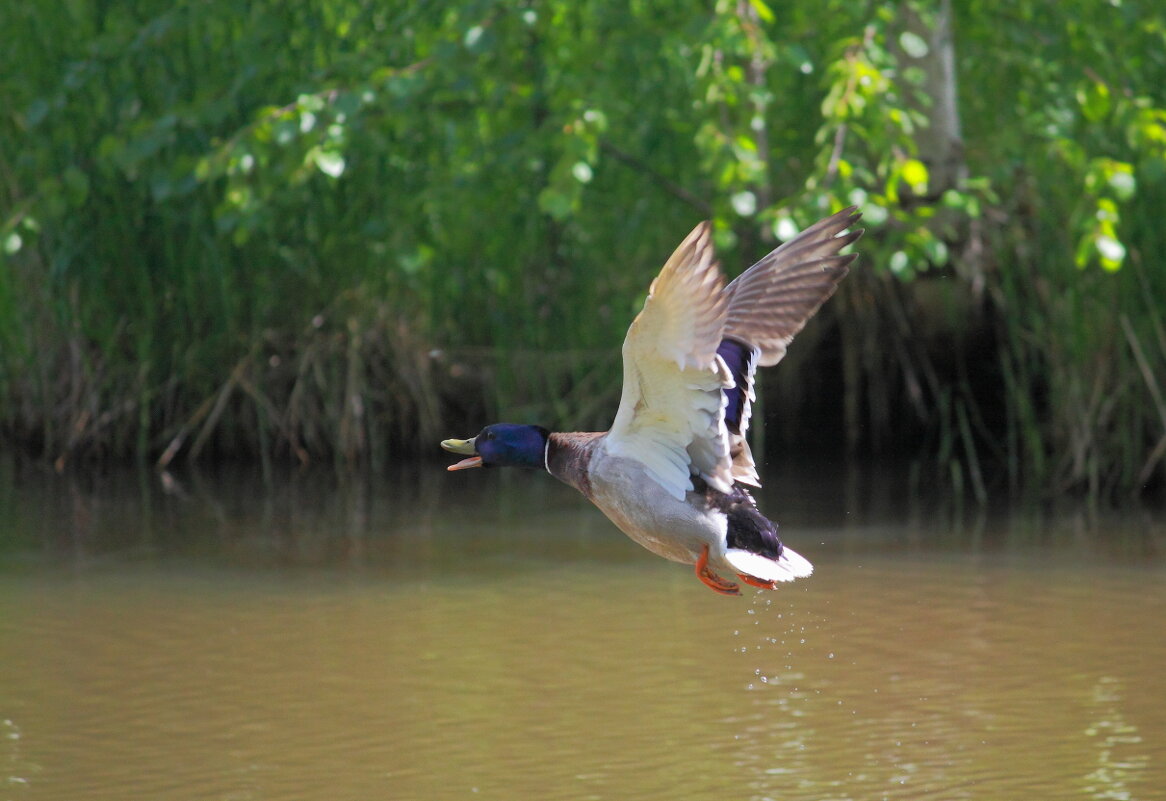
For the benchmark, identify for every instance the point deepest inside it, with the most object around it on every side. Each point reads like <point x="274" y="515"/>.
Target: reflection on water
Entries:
<point x="1121" y="750"/>
<point x="491" y="636"/>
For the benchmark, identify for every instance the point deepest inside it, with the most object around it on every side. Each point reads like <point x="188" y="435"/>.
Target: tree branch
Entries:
<point x="669" y="186"/>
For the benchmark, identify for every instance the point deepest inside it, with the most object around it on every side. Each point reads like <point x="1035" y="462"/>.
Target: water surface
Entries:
<point x="485" y="636"/>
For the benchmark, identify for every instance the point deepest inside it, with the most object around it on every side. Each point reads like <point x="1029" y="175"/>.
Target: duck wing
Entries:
<point x="690" y="356"/>
<point x="671" y="412"/>
<point x="771" y="301"/>
<point x="768" y="305"/>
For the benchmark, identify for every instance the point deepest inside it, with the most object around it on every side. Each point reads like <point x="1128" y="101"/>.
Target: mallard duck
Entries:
<point x="674" y="470"/>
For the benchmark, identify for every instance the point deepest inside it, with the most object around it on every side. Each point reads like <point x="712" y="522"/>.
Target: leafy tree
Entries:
<point x="330" y="228"/>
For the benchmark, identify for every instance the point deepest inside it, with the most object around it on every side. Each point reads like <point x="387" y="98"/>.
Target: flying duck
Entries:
<point x="673" y="471"/>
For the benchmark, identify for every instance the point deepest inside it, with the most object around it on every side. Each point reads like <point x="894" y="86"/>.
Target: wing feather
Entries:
<point x="769" y="304"/>
<point x="677" y="387"/>
<point x="772" y="300"/>
<point x="671" y="411"/>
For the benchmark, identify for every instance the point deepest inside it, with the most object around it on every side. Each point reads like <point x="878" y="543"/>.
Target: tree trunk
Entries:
<point x="925" y="42"/>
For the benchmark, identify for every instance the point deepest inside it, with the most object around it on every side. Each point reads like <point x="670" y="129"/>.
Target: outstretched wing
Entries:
<point x="672" y="407"/>
<point x="768" y="305"/>
<point x="690" y="355"/>
<point x="772" y="300"/>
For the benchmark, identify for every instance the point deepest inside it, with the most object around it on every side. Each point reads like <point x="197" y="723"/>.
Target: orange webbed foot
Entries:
<point x="753" y="581"/>
<point x="711" y="579"/>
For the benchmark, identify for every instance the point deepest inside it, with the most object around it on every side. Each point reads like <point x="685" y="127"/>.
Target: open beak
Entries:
<point x="466" y="448"/>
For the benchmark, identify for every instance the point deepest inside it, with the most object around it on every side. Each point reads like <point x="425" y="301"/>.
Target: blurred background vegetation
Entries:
<point x="340" y="230"/>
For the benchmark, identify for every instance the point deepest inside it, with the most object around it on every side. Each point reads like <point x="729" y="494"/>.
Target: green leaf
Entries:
<point x="936" y="250"/>
<point x="1123" y="183"/>
<point x="913" y="44"/>
<point x="329" y="162"/>
<point x="595" y="119"/>
<point x="1084" y="249"/>
<point x="744" y="203"/>
<point x="763" y="11"/>
<point x="12" y="243"/>
<point x="1093" y="98"/>
<point x="915" y="173"/>
<point x="558" y="205"/>
<point x="874" y="213"/>
<point x="1106" y="211"/>
<point x="784" y="228"/>
<point x="1111" y="251"/>
<point x="478" y="39"/>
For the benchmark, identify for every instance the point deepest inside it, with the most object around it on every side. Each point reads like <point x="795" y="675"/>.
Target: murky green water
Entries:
<point x="483" y="636"/>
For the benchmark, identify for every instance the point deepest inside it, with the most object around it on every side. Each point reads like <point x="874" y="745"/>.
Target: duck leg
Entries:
<point x="753" y="581"/>
<point x="711" y="579"/>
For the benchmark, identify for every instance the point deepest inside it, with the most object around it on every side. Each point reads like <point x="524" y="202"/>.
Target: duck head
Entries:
<point x="502" y="445"/>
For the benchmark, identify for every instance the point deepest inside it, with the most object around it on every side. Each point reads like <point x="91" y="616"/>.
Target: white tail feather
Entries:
<point x="787" y="567"/>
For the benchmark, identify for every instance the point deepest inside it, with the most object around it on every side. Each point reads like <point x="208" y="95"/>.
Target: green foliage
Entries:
<point x="327" y="228"/>
<point x="1074" y="140"/>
